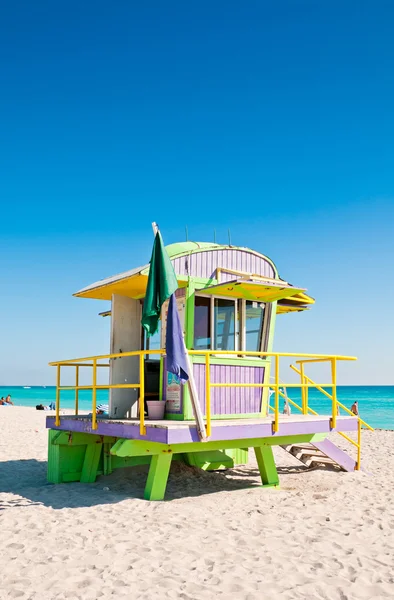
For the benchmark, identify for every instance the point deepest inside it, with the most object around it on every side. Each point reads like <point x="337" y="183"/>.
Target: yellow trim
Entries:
<point x="208" y="394"/>
<point x="275" y="425"/>
<point x="244" y="274"/>
<point x="358" y="446"/>
<point x="57" y="418"/>
<point x="258" y="291"/>
<point x="334" y="392"/>
<point x="142" y="396"/>
<point x="133" y="286"/>
<point x="94" y="396"/>
<point x="335" y="404"/>
<point x="76" y="388"/>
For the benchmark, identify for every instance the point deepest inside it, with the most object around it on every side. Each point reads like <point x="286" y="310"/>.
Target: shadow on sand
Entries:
<point x="26" y="481"/>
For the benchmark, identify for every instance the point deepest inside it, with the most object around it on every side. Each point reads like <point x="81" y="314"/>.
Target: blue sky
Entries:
<point x="272" y="119"/>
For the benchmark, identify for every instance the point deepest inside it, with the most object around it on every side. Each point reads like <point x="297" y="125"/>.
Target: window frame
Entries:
<point x="240" y="324"/>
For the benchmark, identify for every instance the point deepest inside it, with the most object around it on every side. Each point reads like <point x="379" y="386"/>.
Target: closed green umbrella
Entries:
<point x="162" y="283"/>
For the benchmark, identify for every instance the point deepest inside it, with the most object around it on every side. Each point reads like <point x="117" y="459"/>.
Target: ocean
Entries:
<point x="376" y="403"/>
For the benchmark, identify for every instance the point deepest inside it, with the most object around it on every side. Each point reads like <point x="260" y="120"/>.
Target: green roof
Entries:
<point x="180" y="248"/>
<point x="186" y="247"/>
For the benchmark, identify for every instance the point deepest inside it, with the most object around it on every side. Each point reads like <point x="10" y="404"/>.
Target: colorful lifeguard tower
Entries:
<point x="228" y="300"/>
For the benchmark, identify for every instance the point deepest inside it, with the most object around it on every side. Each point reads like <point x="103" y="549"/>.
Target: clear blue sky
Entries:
<point x="273" y="119"/>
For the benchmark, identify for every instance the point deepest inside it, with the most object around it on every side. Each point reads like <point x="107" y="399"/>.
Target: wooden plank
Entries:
<point x="267" y="467"/>
<point x="91" y="462"/>
<point x="157" y="477"/>
<point x="307" y="452"/>
<point x="127" y="447"/>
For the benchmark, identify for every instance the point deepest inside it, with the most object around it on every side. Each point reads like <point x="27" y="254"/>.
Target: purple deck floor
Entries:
<point x="178" y="432"/>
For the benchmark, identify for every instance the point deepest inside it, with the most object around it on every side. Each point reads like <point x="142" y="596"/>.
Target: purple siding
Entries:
<point x="230" y="401"/>
<point x="204" y="264"/>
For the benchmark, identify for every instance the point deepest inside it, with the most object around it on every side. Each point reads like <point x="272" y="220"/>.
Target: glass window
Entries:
<point x="224" y="312"/>
<point x="202" y="323"/>
<point x="254" y="317"/>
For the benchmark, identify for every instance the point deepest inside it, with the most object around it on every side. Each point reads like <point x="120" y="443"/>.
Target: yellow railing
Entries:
<point x="305" y="384"/>
<point x="305" y="409"/>
<point x="92" y="361"/>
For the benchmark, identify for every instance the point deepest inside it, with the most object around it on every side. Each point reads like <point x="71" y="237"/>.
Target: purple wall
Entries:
<point x="230" y="401"/>
<point x="204" y="264"/>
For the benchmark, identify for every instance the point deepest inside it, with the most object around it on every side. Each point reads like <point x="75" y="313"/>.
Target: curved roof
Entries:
<point x="174" y="251"/>
<point x="180" y="248"/>
<point x="133" y="282"/>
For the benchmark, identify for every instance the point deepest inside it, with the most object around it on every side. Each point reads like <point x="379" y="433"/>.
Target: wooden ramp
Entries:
<point x="322" y="452"/>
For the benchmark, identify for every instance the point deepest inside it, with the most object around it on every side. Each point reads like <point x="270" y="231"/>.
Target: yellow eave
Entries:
<point x="259" y="291"/>
<point x="132" y="287"/>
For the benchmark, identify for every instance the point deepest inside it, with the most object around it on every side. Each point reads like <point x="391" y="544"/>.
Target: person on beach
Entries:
<point x="51" y="406"/>
<point x="6" y="401"/>
<point x="354" y="408"/>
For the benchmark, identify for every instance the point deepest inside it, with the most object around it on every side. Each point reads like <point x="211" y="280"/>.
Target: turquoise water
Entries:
<point x="376" y="403"/>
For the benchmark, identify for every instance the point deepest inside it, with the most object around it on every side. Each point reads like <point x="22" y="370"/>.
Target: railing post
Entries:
<point x="275" y="426"/>
<point x="334" y="393"/>
<point x="306" y="396"/>
<point x="57" y="419"/>
<point x="142" y="395"/>
<point x="208" y="393"/>
<point x="303" y="398"/>
<point x="94" y="395"/>
<point x="76" y="388"/>
<point x="358" y="465"/>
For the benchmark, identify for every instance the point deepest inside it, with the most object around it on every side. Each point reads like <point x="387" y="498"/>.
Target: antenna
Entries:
<point x="229" y="237"/>
<point x="214" y="236"/>
<point x="187" y="233"/>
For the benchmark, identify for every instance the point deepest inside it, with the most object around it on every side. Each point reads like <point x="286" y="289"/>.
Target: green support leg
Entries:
<point x="91" y="463"/>
<point x="157" y="477"/>
<point x="54" y="473"/>
<point x="267" y="467"/>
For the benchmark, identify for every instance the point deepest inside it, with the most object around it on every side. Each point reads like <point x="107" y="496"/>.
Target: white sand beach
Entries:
<point x="323" y="535"/>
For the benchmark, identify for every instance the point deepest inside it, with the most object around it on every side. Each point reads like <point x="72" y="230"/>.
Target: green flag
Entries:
<point x="162" y="282"/>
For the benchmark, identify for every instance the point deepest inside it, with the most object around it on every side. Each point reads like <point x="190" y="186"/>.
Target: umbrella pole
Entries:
<point x="202" y="433"/>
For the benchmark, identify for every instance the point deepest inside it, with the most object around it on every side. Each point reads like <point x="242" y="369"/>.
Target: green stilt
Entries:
<point x="91" y="463"/>
<point x="267" y="467"/>
<point x="157" y="477"/>
<point x="54" y="474"/>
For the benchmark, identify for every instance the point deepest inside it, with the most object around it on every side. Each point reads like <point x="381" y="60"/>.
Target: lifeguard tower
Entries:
<point x="228" y="300"/>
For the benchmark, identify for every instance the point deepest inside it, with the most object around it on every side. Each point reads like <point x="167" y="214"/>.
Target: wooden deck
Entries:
<point x="180" y="432"/>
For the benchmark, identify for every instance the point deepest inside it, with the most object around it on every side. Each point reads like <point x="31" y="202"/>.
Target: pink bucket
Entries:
<point x="156" y="409"/>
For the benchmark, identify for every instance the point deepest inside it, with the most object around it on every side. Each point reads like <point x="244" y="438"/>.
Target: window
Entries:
<point x="254" y="317"/>
<point x="202" y="323"/>
<point x="226" y="324"/>
<point x="224" y="320"/>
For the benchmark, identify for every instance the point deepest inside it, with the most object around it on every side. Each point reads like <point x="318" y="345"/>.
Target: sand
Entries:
<point x="324" y="534"/>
